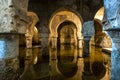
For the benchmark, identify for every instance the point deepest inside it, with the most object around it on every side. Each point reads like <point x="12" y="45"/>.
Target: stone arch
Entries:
<point x="61" y="16"/>
<point x="101" y="38"/>
<point x="31" y="36"/>
<point x="99" y="14"/>
<point x="31" y="31"/>
<point x="67" y="63"/>
<point x="74" y="63"/>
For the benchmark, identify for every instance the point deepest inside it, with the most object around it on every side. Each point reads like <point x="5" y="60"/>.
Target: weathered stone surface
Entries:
<point x="88" y="28"/>
<point x="112" y="8"/>
<point x="112" y="26"/>
<point x="115" y="55"/>
<point x="9" y="63"/>
<point x="13" y="17"/>
<point x="9" y="69"/>
<point x="105" y="22"/>
<point x="9" y="45"/>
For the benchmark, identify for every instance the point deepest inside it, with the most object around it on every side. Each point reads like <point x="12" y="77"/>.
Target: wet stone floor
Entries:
<point x="64" y="63"/>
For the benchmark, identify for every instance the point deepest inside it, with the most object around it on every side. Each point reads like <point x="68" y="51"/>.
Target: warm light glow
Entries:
<point x="99" y="14"/>
<point x="62" y="16"/>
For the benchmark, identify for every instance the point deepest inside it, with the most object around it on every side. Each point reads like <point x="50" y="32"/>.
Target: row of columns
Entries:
<point x="78" y="44"/>
<point x="84" y="70"/>
<point x="17" y="17"/>
<point x="53" y="63"/>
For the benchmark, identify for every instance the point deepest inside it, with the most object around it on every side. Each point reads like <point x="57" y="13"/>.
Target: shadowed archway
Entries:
<point x="67" y="34"/>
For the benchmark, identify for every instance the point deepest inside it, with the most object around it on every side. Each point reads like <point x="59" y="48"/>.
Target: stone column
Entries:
<point x="53" y="53"/>
<point x="111" y="24"/>
<point x="86" y="47"/>
<point x="29" y="72"/>
<point x="13" y="21"/>
<point x="80" y="42"/>
<point x="115" y="55"/>
<point x="80" y="65"/>
<point x="54" y="42"/>
<point x="80" y="53"/>
<point x="87" y="73"/>
<point x="88" y="32"/>
<point x="53" y="62"/>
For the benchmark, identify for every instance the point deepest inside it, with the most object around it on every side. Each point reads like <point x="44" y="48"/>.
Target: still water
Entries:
<point x="64" y="63"/>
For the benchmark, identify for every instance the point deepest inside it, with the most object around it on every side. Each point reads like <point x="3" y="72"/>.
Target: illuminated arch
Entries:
<point x="62" y="16"/>
<point x="98" y="21"/>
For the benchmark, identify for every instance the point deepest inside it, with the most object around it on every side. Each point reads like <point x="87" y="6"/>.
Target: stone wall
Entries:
<point x="13" y="18"/>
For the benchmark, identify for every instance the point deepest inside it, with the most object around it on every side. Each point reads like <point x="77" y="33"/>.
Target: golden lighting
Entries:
<point x="99" y="14"/>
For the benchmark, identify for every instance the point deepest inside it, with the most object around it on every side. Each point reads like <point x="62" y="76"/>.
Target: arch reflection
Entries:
<point x="65" y="63"/>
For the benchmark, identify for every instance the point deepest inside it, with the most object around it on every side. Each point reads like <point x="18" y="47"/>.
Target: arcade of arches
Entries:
<point x="59" y="40"/>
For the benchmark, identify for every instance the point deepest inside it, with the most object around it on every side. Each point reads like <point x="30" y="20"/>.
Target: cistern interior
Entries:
<point x="59" y="40"/>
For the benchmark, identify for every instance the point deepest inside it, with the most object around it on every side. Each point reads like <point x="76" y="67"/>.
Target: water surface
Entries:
<point x="64" y="63"/>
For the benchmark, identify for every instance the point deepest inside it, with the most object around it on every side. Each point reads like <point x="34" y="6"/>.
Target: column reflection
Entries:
<point x="30" y="60"/>
<point x="97" y="66"/>
<point x="65" y="64"/>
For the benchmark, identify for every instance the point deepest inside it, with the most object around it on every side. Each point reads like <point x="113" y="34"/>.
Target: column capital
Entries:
<point x="80" y="38"/>
<point x="87" y="37"/>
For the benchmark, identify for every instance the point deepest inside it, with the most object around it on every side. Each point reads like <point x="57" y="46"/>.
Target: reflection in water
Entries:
<point x="67" y="61"/>
<point x="9" y="62"/>
<point x="28" y="73"/>
<point x="64" y="63"/>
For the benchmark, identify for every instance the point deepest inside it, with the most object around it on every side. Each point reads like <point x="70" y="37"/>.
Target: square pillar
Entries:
<point x="115" y="55"/>
<point x="13" y="21"/>
<point x="9" y="63"/>
<point x="80" y="42"/>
